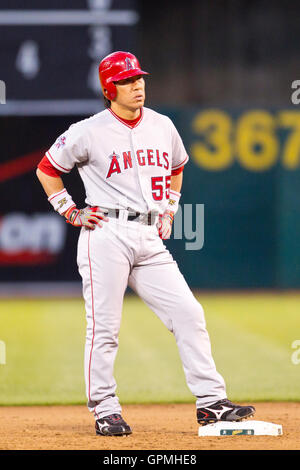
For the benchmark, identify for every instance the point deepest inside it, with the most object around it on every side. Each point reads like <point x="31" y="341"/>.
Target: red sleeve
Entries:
<point x="46" y="167"/>
<point x="178" y="171"/>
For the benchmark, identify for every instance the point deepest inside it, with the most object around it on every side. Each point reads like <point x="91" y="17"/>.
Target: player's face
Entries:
<point x="131" y="92"/>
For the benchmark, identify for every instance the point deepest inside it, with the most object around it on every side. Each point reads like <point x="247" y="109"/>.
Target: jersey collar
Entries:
<point x="124" y="123"/>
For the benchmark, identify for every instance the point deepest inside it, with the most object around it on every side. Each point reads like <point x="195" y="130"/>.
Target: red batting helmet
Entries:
<point x="115" y="67"/>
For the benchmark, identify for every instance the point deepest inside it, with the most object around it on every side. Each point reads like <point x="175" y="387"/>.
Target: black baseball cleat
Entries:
<point x="112" y="425"/>
<point x="223" y="410"/>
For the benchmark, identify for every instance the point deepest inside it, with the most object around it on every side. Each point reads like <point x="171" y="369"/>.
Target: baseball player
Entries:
<point x="131" y="161"/>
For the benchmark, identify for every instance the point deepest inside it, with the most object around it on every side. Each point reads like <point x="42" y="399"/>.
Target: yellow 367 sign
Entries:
<point x="252" y="139"/>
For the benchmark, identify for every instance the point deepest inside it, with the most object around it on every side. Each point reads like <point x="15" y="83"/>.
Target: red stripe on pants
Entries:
<point x="93" y="312"/>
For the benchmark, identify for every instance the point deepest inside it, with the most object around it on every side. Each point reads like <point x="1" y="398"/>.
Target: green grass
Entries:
<point x="251" y="338"/>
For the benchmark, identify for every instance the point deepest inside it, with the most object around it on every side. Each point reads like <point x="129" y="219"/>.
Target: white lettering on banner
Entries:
<point x="35" y="233"/>
<point x="27" y="61"/>
<point x="100" y="45"/>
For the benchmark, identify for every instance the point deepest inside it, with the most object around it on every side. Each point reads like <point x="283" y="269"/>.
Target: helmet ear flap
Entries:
<point x="110" y="91"/>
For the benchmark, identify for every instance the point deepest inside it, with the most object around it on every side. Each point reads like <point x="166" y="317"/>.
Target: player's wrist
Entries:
<point x="173" y="203"/>
<point x="61" y="201"/>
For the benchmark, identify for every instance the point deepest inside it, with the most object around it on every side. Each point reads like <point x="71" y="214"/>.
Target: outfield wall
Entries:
<point x="243" y="171"/>
<point x="245" y="168"/>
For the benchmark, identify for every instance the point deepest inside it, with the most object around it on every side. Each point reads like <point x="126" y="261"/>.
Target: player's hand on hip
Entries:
<point x="164" y="225"/>
<point x="87" y="217"/>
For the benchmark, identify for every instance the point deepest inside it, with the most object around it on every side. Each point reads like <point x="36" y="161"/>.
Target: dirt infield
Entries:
<point x="155" y="427"/>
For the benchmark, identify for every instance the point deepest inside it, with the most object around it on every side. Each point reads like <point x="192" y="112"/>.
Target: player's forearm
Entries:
<point x="64" y="205"/>
<point x="55" y="186"/>
<point x="50" y="184"/>
<point x="176" y="182"/>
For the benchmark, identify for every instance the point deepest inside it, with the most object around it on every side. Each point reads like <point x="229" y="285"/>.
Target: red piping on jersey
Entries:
<point x="123" y="121"/>
<point x="180" y="164"/>
<point x="63" y="169"/>
<point x="93" y="315"/>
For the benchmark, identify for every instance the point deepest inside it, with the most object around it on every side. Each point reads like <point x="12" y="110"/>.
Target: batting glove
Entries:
<point x="165" y="220"/>
<point x="88" y="217"/>
<point x="164" y="224"/>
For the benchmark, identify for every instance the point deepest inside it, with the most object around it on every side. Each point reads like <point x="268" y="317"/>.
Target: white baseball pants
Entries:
<point x="123" y="253"/>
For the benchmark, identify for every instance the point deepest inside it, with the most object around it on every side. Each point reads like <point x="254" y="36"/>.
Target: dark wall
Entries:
<point x="220" y="53"/>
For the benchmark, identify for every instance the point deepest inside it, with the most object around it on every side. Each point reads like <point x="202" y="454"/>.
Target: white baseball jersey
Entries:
<point x="121" y="166"/>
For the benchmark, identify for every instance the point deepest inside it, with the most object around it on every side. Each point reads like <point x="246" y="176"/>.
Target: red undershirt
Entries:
<point x="46" y="167"/>
<point x="131" y="122"/>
